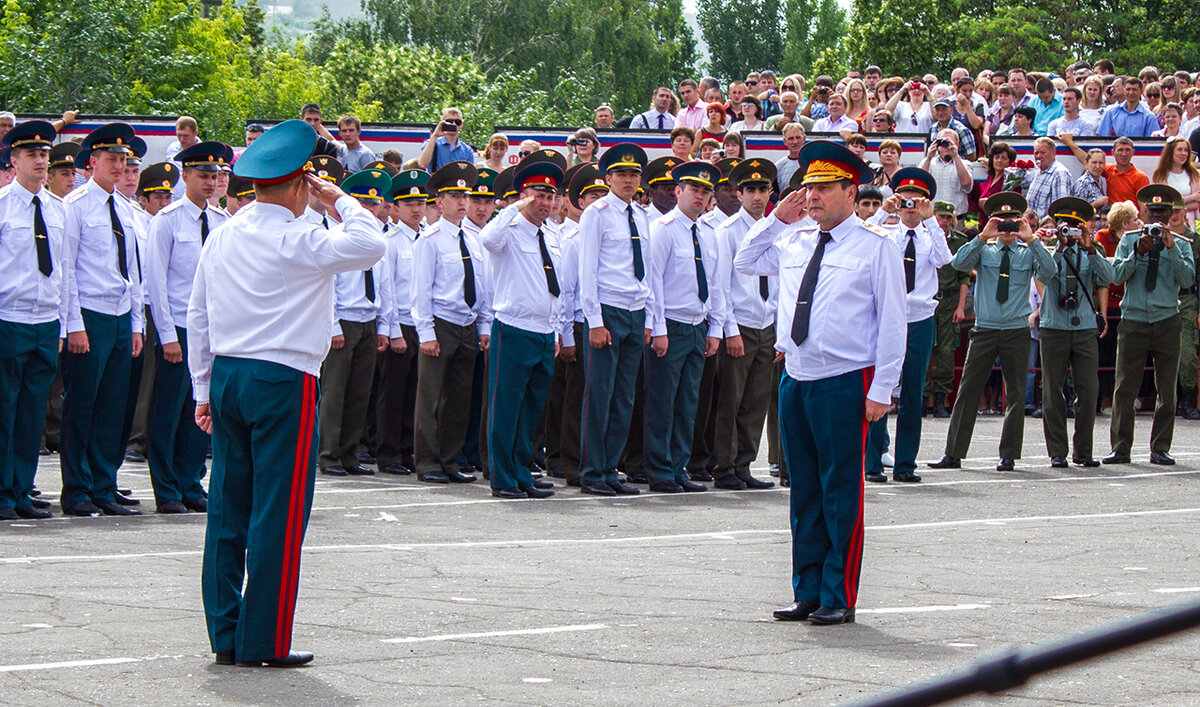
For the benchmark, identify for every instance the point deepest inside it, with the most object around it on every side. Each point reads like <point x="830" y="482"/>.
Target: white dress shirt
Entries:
<point x="858" y="309"/>
<point x="437" y="289"/>
<point x="674" y="283"/>
<point x="568" y="279"/>
<point x="171" y="256"/>
<point x="26" y="295"/>
<point x="606" y="274"/>
<point x="401" y="242"/>
<point x="825" y="125"/>
<point x="264" y="287"/>
<point x="932" y="253"/>
<point x="521" y="296"/>
<point x="745" y="306"/>
<point x="350" y="301"/>
<point x="93" y="278"/>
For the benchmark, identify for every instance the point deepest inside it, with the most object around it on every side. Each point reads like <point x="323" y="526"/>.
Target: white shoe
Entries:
<point x="887" y="460"/>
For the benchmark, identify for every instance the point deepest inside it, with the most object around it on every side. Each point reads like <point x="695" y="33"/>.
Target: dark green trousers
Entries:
<point x="443" y="397"/>
<point x="176" y="448"/>
<point x="1081" y="351"/>
<point x="1012" y="347"/>
<point x="395" y="405"/>
<point x="775" y="453"/>
<point x="141" y="409"/>
<point x="672" y="394"/>
<point x="940" y="376"/>
<point x="28" y="353"/>
<point x="572" y="407"/>
<point x="1187" y="342"/>
<point x="346" y="393"/>
<point x="704" y="442"/>
<point x="743" y="397"/>
<point x="520" y="365"/>
<point x="1136" y="341"/>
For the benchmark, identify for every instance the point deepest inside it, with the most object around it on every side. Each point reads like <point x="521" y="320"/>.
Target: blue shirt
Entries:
<point x="1046" y="113"/>
<point x="1094" y="271"/>
<point x="1025" y="262"/>
<point x="1175" y="271"/>
<point x="1118" y="121"/>
<point x="444" y="154"/>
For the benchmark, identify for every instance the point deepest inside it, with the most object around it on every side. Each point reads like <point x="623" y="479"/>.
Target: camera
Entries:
<point x="1008" y="226"/>
<point x="822" y="90"/>
<point x="942" y="142"/>
<point x="719" y="153"/>
<point x="907" y="203"/>
<point x="450" y="126"/>
<point x="1154" y="230"/>
<point x="1070" y="232"/>
<point x="576" y="143"/>
<point x="916" y="85"/>
<point x="1068" y="301"/>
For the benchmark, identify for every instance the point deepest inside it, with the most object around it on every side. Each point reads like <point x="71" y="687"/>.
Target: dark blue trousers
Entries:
<point x="672" y="395"/>
<point x="175" y="445"/>
<point x="608" y="393"/>
<point x="264" y="460"/>
<point x="908" y="417"/>
<point x="823" y="427"/>
<point x="28" y="357"/>
<point x="520" y="366"/>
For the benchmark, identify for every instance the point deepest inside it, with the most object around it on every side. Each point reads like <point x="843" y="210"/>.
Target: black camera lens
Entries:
<point x="1008" y="226"/>
<point x="908" y="203"/>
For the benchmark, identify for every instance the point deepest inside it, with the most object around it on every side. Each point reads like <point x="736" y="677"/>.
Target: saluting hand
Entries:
<point x="793" y="207"/>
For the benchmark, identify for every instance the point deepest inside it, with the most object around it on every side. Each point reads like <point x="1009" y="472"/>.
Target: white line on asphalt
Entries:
<point x="924" y="609"/>
<point x="67" y="664"/>
<point x="1178" y="590"/>
<point x="494" y="634"/>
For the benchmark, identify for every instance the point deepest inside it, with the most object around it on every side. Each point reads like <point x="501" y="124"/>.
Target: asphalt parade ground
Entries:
<point x="412" y="593"/>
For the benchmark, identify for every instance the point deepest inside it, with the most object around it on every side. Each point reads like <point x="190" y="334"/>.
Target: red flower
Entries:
<point x="1023" y="164"/>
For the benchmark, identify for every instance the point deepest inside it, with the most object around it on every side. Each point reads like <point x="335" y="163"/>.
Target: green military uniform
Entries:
<point x="939" y="380"/>
<point x="1187" y="339"/>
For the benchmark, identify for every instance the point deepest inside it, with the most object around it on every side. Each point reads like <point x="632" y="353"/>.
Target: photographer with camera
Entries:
<point x="1069" y="331"/>
<point x="443" y="145"/>
<point x="944" y="161"/>
<point x="818" y="101"/>
<point x="910" y="106"/>
<point x="1004" y="270"/>
<point x="1154" y="265"/>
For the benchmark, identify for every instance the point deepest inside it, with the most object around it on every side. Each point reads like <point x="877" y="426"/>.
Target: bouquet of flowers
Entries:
<point x="1015" y="175"/>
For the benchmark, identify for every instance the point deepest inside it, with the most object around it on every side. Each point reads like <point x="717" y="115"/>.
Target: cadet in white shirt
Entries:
<point x="481" y="204"/>
<point x="258" y="329"/>
<point x="450" y="309"/>
<point x="104" y="322"/>
<point x="686" y="318"/>
<point x="176" y="446"/>
<point x="748" y="356"/>
<point x="612" y="294"/>
<point x="842" y="306"/>
<point x="32" y="310"/>
<point x="525" y="330"/>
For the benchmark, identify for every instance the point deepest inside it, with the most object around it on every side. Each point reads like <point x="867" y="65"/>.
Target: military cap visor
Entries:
<point x="623" y="156"/>
<point x="752" y="172"/>
<point x="726" y="165"/>
<point x="485" y="184"/>
<point x="914" y="179"/>
<point x="542" y="176"/>
<point x="1006" y="204"/>
<point x="824" y="161"/>
<point x="369" y="184"/>
<point x="1159" y="196"/>
<point x="31" y="135"/>
<point x="279" y="155"/>
<point x="327" y="168"/>
<point x="696" y="173"/>
<point x="410" y="184"/>
<point x="239" y="187"/>
<point x="457" y="176"/>
<point x="158" y="177"/>
<point x="63" y="155"/>
<point x="587" y="178"/>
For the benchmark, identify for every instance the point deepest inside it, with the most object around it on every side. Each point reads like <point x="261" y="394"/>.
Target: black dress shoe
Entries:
<point x="359" y="470"/>
<point x="946" y="462"/>
<point x="773" y="470"/>
<point x="543" y="484"/>
<point x="224" y="657"/>
<point x="35" y="492"/>
<point x="508" y="493"/>
<point x="196" y="505"/>
<point x="365" y="457"/>
<point x="730" y="482"/>
<point x="459" y="477"/>
<point x="906" y="477"/>
<point x="8" y="514"/>
<point x="1089" y="462"/>
<point x="556" y="472"/>
<point x="831" y="617"/>
<point x="125" y="500"/>
<point x="43" y="452"/>
<point x="82" y="509"/>
<point x="700" y="475"/>
<point x="116" y="509"/>
<point x="133" y="455"/>
<point x="600" y="489"/>
<point x="31" y="513"/>
<point x="798" y="611"/>
<point x="291" y="660"/>
<point x="785" y="482"/>
<point x="637" y="478"/>
<point x="334" y="471"/>
<point x="433" y="477"/>
<point x="1162" y="458"/>
<point x="622" y="489"/>
<point x="125" y="492"/>
<point x="537" y="491"/>
<point x="1058" y="462"/>
<point x="692" y="486"/>
<point x="753" y="483"/>
<point x="877" y="477"/>
<point x="666" y="487"/>
<point x="1005" y="464"/>
<point x="39" y="502"/>
<point x="397" y="469"/>
<point x="171" y="507"/>
<point x="1116" y="458"/>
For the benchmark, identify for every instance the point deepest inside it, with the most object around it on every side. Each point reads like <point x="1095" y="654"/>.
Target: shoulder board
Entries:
<point x="808" y="229"/>
<point x="173" y="206"/>
<point x="54" y="196"/>
<point x="515" y="221"/>
<point x="74" y="196"/>
<point x="877" y="230"/>
<point x="598" y="204"/>
<point x="666" y="218"/>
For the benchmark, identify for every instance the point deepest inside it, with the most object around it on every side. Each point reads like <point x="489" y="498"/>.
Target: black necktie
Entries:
<point x="910" y="261"/>
<point x="808" y="286"/>
<point x="639" y="268"/>
<point x="325" y="222"/>
<point x="203" y="227"/>
<point x="1002" y="281"/>
<point x="468" y="271"/>
<point x="548" y="265"/>
<point x="660" y="121"/>
<point x="40" y="239"/>
<point x="701" y="280"/>
<point x="369" y="281"/>
<point x="119" y="234"/>
<point x="764" y="289"/>
<point x="1152" y="267"/>
<point x="385" y="227"/>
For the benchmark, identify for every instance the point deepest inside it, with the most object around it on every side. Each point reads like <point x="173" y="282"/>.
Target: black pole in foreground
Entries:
<point x="1014" y="666"/>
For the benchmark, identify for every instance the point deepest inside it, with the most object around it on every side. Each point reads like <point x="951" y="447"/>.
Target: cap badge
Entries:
<point x="372" y="192"/>
<point x="705" y="175"/>
<point x="1157" y="199"/>
<point x="462" y="182"/>
<point x="414" y="190"/>
<point x="626" y="158"/>
<point x="755" y="163"/>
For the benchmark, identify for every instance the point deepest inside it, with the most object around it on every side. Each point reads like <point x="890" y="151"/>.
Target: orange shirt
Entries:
<point x="1109" y="241"/>
<point x="1124" y="186"/>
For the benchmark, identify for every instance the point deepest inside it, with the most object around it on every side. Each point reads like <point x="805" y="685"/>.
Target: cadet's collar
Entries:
<point x="26" y="195"/>
<point x="680" y="214"/>
<point x="843" y="229"/>
<point x="192" y="210"/>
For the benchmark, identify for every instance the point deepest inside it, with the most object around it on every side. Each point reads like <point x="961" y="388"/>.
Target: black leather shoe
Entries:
<point x="798" y="611"/>
<point x="291" y="660"/>
<point x="831" y="617"/>
<point x="1162" y="458"/>
<point x="39" y="502"/>
<point x="133" y="455"/>
<point x="773" y="469"/>
<point x="730" y="482"/>
<point x="224" y="658"/>
<point x="459" y="478"/>
<point x="334" y="471"/>
<point x="753" y="483"/>
<point x="666" y="487"/>
<point x="397" y="469"/>
<point x="637" y="478"/>
<point x="43" y="452"/>
<point x="359" y="470"/>
<point x="1058" y="462"/>
<point x="196" y="505"/>
<point x="434" y="477"/>
<point x="1116" y="458"/>
<point x="1088" y="462"/>
<point x="365" y="457"/>
<point x="125" y="500"/>
<point x="508" y="493"/>
<point x="8" y="514"/>
<point x="700" y="475"/>
<point x="536" y="491"/>
<point x="600" y="489"/>
<point x="906" y="477"/>
<point x="786" y="482"/>
<point x="622" y="489"/>
<point x="556" y="472"/>
<point x="31" y="513"/>
<point x="946" y="462"/>
<point x="877" y="477"/>
<point x="543" y="484"/>
<point x="125" y="492"/>
<point x="82" y="509"/>
<point x="692" y="486"/>
<point x="116" y="509"/>
<point x="171" y="507"/>
<point x="1005" y="464"/>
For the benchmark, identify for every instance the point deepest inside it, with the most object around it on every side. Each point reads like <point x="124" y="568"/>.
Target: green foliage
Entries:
<point x="814" y="28"/>
<point x="905" y="37"/>
<point x="509" y="100"/>
<point x="743" y="35"/>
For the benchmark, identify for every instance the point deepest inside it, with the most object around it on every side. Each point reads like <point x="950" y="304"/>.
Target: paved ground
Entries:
<point x="419" y="594"/>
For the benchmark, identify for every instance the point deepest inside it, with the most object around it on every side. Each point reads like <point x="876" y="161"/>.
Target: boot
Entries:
<point x="1189" y="406"/>
<point x="939" y="406"/>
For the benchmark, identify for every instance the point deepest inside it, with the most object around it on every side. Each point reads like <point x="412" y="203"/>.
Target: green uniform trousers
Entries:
<point x="28" y="353"/>
<point x="1012" y="346"/>
<point x="395" y="405"/>
<point x="1187" y="342"/>
<point x="672" y="395"/>
<point x="177" y="446"/>
<point x="1135" y="341"/>
<point x="346" y="393"/>
<point x="520" y="365"/>
<point x="940" y="376"/>
<point x="443" y="397"/>
<point x="1080" y="350"/>
<point x="743" y="397"/>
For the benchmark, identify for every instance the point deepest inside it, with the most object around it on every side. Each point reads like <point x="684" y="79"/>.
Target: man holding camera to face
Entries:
<point x="1068" y="331"/>
<point x="951" y="174"/>
<point x="1153" y="265"/>
<point x="443" y="146"/>
<point x="1004" y="268"/>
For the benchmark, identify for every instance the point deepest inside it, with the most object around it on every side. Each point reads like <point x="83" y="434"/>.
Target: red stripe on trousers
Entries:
<point x="854" y="554"/>
<point x="291" y="540"/>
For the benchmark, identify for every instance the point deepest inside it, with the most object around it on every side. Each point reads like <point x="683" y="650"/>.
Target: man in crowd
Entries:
<point x="657" y="118"/>
<point x="794" y="136"/>
<point x="353" y="155"/>
<point x="1049" y="182"/>
<point x="444" y="145"/>
<point x="603" y="117"/>
<point x="1048" y="106"/>
<point x="944" y="161"/>
<point x="692" y="112"/>
<point x="1071" y="123"/>
<point x="1132" y="118"/>
<point x="943" y="120"/>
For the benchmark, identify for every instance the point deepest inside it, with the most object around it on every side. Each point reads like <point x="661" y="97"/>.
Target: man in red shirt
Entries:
<point x="1123" y="179"/>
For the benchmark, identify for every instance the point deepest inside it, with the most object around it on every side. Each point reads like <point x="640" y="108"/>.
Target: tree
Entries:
<point x="743" y="35"/>
<point x="904" y="36"/>
<point x="813" y="26"/>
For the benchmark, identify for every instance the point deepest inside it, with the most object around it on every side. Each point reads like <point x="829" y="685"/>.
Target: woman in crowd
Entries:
<point x="1153" y="96"/>
<point x="910" y="108"/>
<point x="1171" y="119"/>
<point x="889" y="164"/>
<point x="988" y="92"/>
<point x="1091" y="185"/>
<point x="493" y="154"/>
<point x="707" y="147"/>
<point x="715" y="129"/>
<point x="881" y="122"/>
<point x="1002" y="113"/>
<point x="734" y="145"/>
<point x="856" y="100"/>
<point x="751" y="116"/>
<point x="1091" y="108"/>
<point x="999" y="158"/>
<point x="1176" y="170"/>
<point x="584" y="146"/>
<point x="794" y="83"/>
<point x="1170" y="89"/>
<point x="683" y="139"/>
